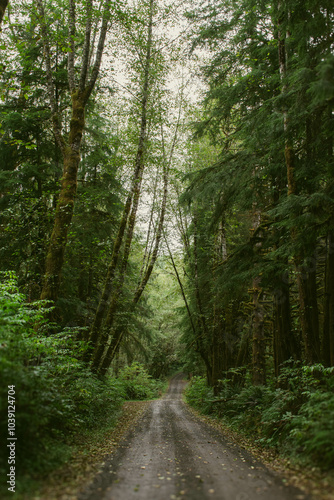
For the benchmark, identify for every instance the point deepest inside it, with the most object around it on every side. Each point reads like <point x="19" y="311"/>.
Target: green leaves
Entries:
<point x="55" y="392"/>
<point x="296" y="418"/>
<point x="138" y="384"/>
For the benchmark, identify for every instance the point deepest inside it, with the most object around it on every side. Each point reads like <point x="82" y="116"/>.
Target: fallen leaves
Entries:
<point x="309" y="480"/>
<point x="89" y="453"/>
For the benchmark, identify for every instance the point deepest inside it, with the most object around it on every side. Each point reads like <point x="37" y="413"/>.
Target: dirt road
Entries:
<point x="171" y="455"/>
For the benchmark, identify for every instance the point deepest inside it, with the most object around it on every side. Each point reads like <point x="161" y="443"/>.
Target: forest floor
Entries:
<point x="162" y="450"/>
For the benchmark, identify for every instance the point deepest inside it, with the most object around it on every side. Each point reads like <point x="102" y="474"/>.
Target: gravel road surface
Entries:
<point x="172" y="455"/>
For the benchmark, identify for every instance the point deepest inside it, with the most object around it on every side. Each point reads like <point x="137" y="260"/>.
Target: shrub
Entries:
<point x="55" y="393"/>
<point x="313" y="429"/>
<point x="297" y="417"/>
<point x="199" y="395"/>
<point x="138" y="384"/>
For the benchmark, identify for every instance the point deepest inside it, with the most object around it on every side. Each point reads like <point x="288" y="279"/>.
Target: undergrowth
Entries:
<point x="56" y="396"/>
<point x="294" y="415"/>
<point x="138" y="384"/>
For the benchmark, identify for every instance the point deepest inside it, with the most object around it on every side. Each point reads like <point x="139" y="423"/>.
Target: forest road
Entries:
<point x="172" y="455"/>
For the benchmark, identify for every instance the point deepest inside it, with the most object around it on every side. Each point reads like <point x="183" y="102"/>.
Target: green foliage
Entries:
<point x="138" y="384"/>
<point x="296" y="418"/>
<point x="199" y="395"/>
<point x="55" y="393"/>
<point x="313" y="428"/>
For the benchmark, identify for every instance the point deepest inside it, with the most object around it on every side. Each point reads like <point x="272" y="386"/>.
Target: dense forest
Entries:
<point x="167" y="204"/>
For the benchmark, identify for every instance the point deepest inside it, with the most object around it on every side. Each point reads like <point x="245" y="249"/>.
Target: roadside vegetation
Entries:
<point x="57" y="398"/>
<point x="294" y="415"/>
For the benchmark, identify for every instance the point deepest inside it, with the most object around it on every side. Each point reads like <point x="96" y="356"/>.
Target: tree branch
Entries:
<point x="86" y="47"/>
<point x="100" y="47"/>
<point x="71" y="75"/>
<point x="49" y="79"/>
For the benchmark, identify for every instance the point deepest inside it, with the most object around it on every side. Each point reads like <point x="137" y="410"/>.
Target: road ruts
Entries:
<point x="171" y="455"/>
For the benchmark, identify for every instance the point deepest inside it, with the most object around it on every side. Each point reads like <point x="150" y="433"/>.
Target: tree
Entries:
<point x="130" y="208"/>
<point x="151" y="151"/>
<point x="261" y="107"/>
<point x="29" y="157"/>
<point x="80" y="88"/>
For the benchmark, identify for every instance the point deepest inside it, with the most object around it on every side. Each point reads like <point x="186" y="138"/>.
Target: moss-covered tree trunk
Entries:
<point x="81" y="90"/>
<point x="64" y="211"/>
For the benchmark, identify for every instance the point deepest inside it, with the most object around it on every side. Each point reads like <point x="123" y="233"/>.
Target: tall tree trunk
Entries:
<point x="151" y="229"/>
<point x="70" y="149"/>
<point x="117" y="285"/>
<point x="309" y="316"/>
<point x="258" y="329"/>
<point x="306" y="279"/>
<point x="182" y="289"/>
<point x="242" y="359"/>
<point x="203" y="338"/>
<point x="117" y="337"/>
<point x="158" y="236"/>
<point x="108" y="284"/>
<point x="64" y="211"/>
<point x="151" y="259"/>
<point x="328" y="328"/>
<point x="99" y="339"/>
<point x="221" y="351"/>
<point x="285" y="342"/>
<point x="258" y="337"/>
<point x="201" y="315"/>
<point x="282" y="338"/>
<point x="218" y="351"/>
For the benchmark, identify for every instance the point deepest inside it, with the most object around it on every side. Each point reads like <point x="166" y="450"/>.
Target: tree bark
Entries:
<point x="202" y="320"/>
<point x="64" y="211"/>
<point x="99" y="339"/>
<point x="258" y="337"/>
<point x="117" y="337"/>
<point x="284" y="343"/>
<point x="218" y="351"/>
<point x="71" y="148"/>
<point x="153" y="259"/>
<point x="108" y="285"/>
<point x="202" y="349"/>
<point x="306" y="279"/>
<point x="328" y="328"/>
<point x="117" y="285"/>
